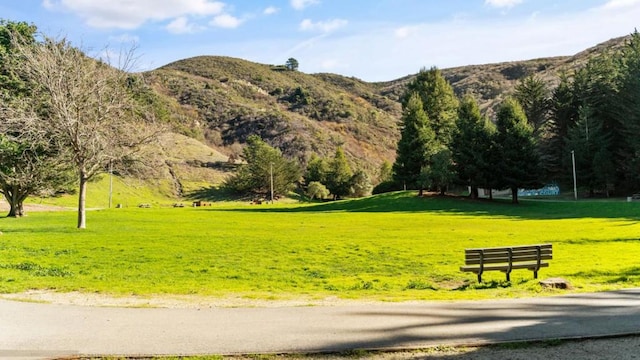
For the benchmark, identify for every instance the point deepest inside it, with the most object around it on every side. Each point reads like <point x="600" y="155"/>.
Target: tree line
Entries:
<point x="592" y="115"/>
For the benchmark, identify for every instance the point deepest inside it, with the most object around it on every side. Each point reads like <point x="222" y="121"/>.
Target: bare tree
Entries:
<point x="90" y="109"/>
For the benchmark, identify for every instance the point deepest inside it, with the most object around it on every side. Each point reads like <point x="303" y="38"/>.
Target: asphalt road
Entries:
<point x="44" y="330"/>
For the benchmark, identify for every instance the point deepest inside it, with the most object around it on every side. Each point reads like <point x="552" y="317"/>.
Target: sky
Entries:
<point x="373" y="40"/>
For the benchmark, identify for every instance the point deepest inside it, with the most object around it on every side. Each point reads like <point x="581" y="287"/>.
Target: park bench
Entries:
<point x="506" y="259"/>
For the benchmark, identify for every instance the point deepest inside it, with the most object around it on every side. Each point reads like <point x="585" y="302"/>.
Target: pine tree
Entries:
<point x="470" y="146"/>
<point x="519" y="162"/>
<point x="533" y="96"/>
<point x="339" y="175"/>
<point x="416" y="145"/>
<point x="630" y="108"/>
<point x="438" y="101"/>
<point x="590" y="145"/>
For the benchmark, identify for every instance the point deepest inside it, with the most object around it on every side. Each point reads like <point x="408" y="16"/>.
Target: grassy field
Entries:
<point x="389" y="247"/>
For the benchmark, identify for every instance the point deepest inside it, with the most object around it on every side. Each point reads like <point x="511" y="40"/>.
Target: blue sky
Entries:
<point x="374" y="40"/>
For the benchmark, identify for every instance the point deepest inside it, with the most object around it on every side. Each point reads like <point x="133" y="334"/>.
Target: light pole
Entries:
<point x="575" y="183"/>
<point x="110" y="183"/>
<point x="271" y="180"/>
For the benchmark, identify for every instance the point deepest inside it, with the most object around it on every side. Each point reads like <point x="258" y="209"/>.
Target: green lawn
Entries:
<point x="390" y="247"/>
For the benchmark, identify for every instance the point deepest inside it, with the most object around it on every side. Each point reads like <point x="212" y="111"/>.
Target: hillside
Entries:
<point x="220" y="101"/>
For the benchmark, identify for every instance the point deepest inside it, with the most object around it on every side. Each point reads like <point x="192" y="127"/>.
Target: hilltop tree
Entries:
<point x="519" y="162"/>
<point x="264" y="163"/>
<point x="416" y="145"/>
<point x="471" y="145"/>
<point x="90" y="111"/>
<point x="292" y="64"/>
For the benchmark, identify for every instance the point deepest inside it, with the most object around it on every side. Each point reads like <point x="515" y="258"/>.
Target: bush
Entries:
<point x="316" y="190"/>
<point x="386" y="186"/>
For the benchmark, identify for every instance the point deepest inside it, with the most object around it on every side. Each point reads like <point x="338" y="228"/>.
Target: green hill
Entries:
<point x="220" y="101"/>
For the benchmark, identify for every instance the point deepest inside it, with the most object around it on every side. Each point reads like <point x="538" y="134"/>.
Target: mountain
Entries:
<point x="220" y="101"/>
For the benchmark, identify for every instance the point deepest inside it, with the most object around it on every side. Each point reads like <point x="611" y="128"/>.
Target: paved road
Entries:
<point x="42" y="330"/>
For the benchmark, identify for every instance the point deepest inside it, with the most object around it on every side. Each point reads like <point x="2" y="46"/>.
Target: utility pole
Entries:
<point x="110" y="183"/>
<point x="575" y="183"/>
<point x="271" y="178"/>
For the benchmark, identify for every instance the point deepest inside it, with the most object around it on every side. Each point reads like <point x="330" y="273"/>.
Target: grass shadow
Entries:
<point x="407" y="201"/>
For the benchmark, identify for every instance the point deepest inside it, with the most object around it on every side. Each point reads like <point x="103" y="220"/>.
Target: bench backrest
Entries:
<point x="508" y="254"/>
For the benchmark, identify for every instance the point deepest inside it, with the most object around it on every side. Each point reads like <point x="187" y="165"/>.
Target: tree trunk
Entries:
<point x="474" y="192"/>
<point x="514" y="195"/>
<point x="491" y="194"/>
<point x="420" y="192"/>
<point x="82" y="195"/>
<point x="15" y="200"/>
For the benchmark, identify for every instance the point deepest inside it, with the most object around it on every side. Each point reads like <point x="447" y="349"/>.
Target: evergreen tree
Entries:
<point x="317" y="170"/>
<point x="441" y="172"/>
<point x="563" y="115"/>
<point x="590" y="145"/>
<point x="292" y="64"/>
<point x="360" y="184"/>
<point x="533" y="95"/>
<point x="519" y="162"/>
<point x="339" y="175"/>
<point x="471" y="145"/>
<point x="630" y="108"/>
<point x="438" y="101"/>
<point x="416" y="145"/>
<point x="263" y="164"/>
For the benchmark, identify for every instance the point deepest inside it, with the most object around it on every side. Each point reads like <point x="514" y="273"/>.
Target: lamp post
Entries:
<point x="110" y="183"/>
<point x="575" y="183"/>
<point x="271" y="180"/>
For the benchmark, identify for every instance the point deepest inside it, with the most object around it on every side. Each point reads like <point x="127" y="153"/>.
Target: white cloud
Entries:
<point x="376" y="54"/>
<point x="225" y="21"/>
<point x="181" y="25"/>
<point x="619" y="4"/>
<point x="127" y="14"/>
<point x="502" y="3"/>
<point x="125" y="38"/>
<point x="322" y="26"/>
<point x="47" y="4"/>
<point x="270" y="10"/>
<point x="404" y="32"/>
<point x="301" y="4"/>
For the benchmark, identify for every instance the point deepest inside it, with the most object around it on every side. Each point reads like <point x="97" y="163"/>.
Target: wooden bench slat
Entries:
<point x="519" y="248"/>
<point x="476" y="269"/>
<point x="504" y="259"/>
<point x="506" y="253"/>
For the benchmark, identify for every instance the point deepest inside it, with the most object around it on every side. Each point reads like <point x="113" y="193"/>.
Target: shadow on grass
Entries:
<point x="212" y="194"/>
<point x="408" y="202"/>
